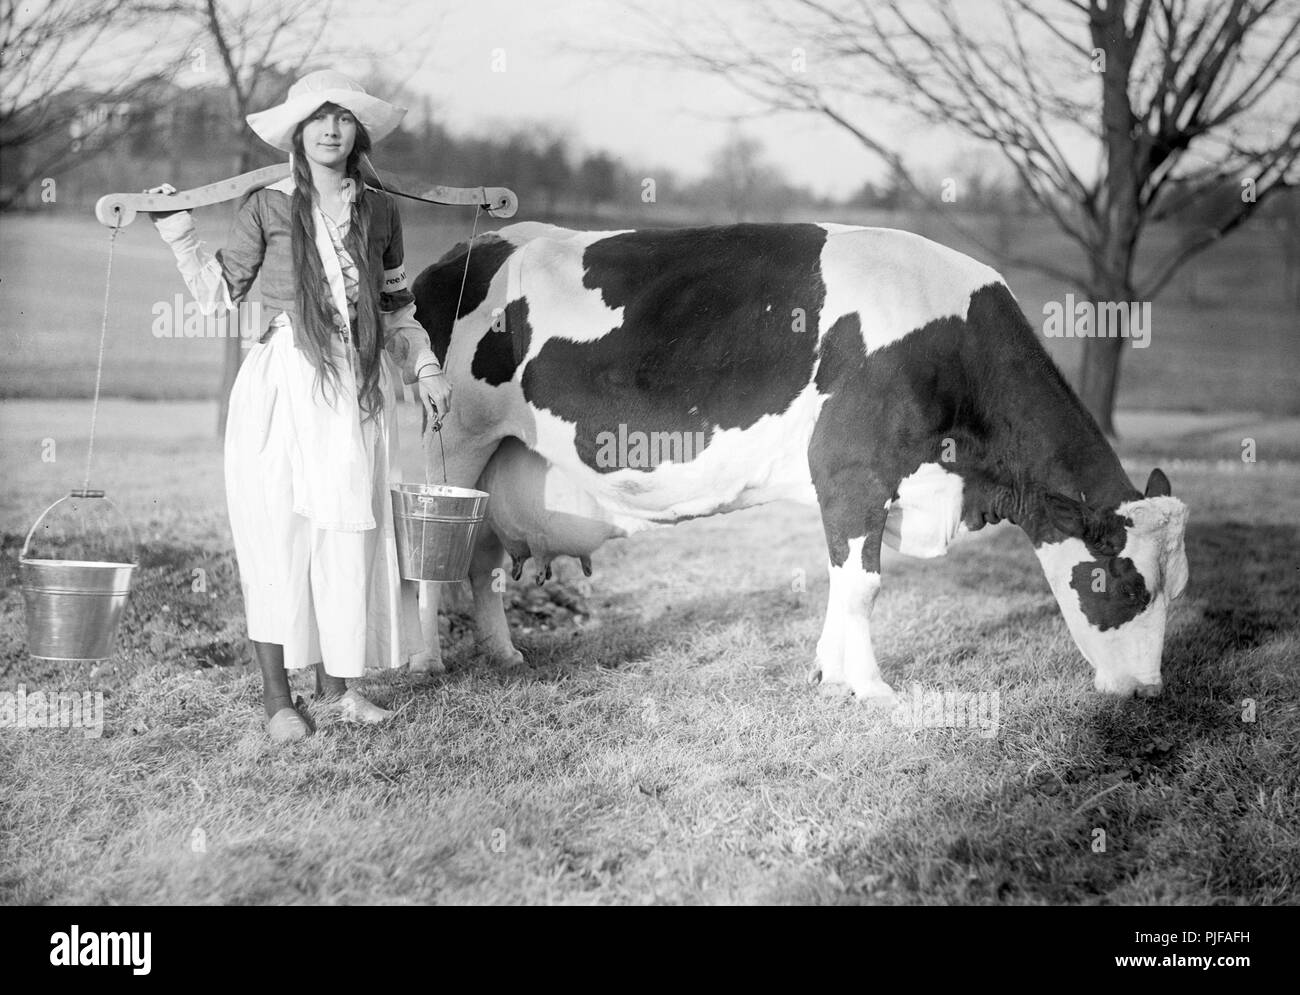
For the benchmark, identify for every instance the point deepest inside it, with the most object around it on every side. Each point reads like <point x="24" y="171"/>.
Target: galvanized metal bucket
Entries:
<point x="73" y="605"/>
<point x="436" y="525"/>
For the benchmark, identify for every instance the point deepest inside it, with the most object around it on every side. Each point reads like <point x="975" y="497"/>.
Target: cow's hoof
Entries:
<point x="507" y="658"/>
<point x="1127" y="687"/>
<point x="511" y="661"/>
<point x="815" y="675"/>
<point x="834" y="689"/>
<point x="876" y="696"/>
<point x="426" y="663"/>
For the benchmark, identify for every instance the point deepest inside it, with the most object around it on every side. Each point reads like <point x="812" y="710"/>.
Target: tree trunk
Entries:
<point x="1099" y="380"/>
<point x="1119" y="209"/>
<point x="1100" y="362"/>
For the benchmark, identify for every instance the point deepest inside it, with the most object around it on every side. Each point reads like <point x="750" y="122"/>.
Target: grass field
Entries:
<point x="663" y="746"/>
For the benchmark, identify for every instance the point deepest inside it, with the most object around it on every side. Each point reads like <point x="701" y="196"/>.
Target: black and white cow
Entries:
<point x="892" y="380"/>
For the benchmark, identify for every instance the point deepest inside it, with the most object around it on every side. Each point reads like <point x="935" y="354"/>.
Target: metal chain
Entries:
<point x="455" y="316"/>
<point x="103" y="333"/>
<point x="469" y="247"/>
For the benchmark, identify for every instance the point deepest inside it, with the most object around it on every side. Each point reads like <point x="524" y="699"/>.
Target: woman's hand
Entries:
<point x="166" y="188"/>
<point x="435" y="394"/>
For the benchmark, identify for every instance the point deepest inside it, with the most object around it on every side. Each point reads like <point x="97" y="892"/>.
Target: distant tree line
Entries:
<point x="188" y="136"/>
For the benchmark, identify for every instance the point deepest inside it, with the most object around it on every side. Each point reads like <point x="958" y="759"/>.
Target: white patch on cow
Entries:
<point x="926" y="516"/>
<point x="1156" y="542"/>
<point x="559" y="306"/>
<point x="835" y="228"/>
<point x="739" y="468"/>
<point x="1126" y="658"/>
<point x="895" y="281"/>
<point x="844" y="652"/>
<point x="523" y="232"/>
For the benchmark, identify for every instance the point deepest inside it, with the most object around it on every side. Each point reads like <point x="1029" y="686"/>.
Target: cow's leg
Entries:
<point x="466" y="457"/>
<point x="828" y="671"/>
<point x="487" y="578"/>
<point x="844" y="653"/>
<point x="853" y="500"/>
<point x="429" y="661"/>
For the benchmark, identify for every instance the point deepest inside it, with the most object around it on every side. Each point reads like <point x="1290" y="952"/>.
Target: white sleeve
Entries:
<point x="201" y="270"/>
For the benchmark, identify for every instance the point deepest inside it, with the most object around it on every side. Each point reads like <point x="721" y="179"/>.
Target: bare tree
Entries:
<point x="65" y="86"/>
<point x="597" y="179"/>
<point x="1192" y="91"/>
<point x="741" y="179"/>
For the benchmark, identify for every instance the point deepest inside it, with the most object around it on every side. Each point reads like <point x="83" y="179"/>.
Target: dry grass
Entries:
<point x="667" y="748"/>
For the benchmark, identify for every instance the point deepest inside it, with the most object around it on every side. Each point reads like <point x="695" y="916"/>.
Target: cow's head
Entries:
<point x="1114" y="572"/>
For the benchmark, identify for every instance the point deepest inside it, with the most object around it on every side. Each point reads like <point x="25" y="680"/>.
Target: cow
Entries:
<point x="890" y="380"/>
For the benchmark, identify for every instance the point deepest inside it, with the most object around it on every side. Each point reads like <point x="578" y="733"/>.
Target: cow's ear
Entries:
<point x="1066" y="514"/>
<point x="1158" y="484"/>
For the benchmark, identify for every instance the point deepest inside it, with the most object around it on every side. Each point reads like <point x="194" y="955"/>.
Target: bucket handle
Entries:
<point x="436" y="428"/>
<point x="79" y="493"/>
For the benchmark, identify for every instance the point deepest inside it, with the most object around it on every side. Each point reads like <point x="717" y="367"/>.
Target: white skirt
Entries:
<point x="326" y="594"/>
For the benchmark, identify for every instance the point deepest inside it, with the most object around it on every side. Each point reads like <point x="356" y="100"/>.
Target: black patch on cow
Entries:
<point x="975" y="393"/>
<point x="437" y="288"/>
<point x="499" y="351"/>
<point x="707" y="336"/>
<point x="1123" y="595"/>
<point x="842" y="351"/>
<point x="1017" y="429"/>
<point x="887" y="413"/>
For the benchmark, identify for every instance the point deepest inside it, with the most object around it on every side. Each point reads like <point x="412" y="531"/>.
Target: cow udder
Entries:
<point x="525" y="497"/>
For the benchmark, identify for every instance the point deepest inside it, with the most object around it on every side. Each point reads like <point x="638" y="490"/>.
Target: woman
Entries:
<point x="311" y="438"/>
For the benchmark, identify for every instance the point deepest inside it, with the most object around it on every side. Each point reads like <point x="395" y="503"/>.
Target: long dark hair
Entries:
<point x="315" y="327"/>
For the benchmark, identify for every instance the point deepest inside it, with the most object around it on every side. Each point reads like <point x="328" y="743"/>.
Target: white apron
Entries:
<point x="307" y="490"/>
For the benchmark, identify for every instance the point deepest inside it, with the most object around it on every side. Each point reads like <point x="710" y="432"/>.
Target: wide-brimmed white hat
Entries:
<point x="276" y="125"/>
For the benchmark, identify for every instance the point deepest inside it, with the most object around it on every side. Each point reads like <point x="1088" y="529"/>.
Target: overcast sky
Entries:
<point x="568" y="65"/>
<point x="555" y="74"/>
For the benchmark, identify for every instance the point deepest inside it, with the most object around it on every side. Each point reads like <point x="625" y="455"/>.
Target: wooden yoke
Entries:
<point x="117" y="210"/>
